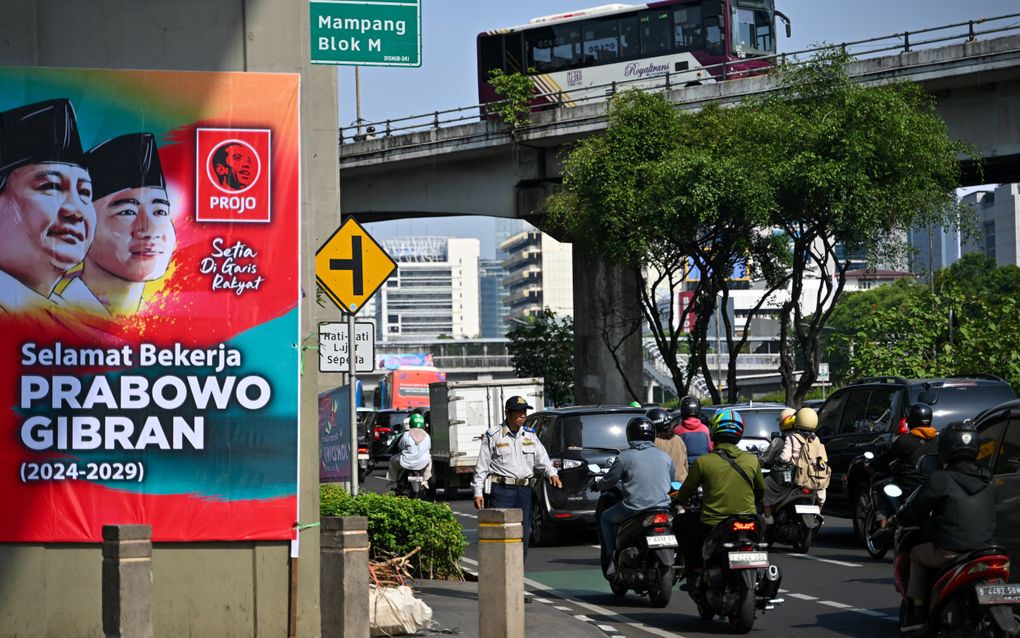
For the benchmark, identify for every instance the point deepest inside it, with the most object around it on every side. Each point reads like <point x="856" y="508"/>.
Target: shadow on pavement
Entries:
<point x="849" y="623"/>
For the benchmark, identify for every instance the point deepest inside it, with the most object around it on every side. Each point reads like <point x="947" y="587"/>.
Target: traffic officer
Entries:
<point x="507" y="461"/>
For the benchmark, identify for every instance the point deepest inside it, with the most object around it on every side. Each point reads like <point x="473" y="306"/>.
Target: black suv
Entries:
<point x="999" y="428"/>
<point x="574" y="437"/>
<point x="868" y="414"/>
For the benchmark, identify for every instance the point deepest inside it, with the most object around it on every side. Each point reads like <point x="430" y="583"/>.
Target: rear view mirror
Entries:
<point x="594" y="469"/>
<point x="675" y="485"/>
<point x="929" y="397"/>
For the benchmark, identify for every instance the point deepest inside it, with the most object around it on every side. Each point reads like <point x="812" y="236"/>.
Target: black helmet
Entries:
<point x="660" y="418"/>
<point x="640" y="428"/>
<point x="919" y="416"/>
<point x="958" y="442"/>
<point x="690" y="406"/>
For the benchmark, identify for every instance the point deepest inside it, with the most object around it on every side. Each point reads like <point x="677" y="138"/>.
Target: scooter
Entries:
<point x="737" y="580"/>
<point x="645" y="553"/>
<point x="411" y="483"/>
<point x="971" y="596"/>
<point x="798" y="517"/>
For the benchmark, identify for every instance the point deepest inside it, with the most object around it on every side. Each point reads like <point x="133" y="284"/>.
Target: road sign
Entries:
<point x="366" y="33"/>
<point x="333" y="347"/>
<point x="351" y="266"/>
<point x="823" y="372"/>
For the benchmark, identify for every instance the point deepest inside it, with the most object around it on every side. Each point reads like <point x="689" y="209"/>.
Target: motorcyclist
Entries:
<point x="775" y="485"/>
<point x="902" y="458"/>
<point x="414" y="451"/>
<point x="692" y="430"/>
<point x="805" y="422"/>
<point x="732" y="484"/>
<point x="956" y="505"/>
<point x="669" y="442"/>
<point x="643" y="474"/>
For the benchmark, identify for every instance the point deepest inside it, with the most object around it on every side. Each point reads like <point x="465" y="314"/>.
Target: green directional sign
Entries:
<point x="366" y="32"/>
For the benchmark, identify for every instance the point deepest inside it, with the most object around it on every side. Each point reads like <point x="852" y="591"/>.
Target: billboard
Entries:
<point x="335" y="435"/>
<point x="149" y="290"/>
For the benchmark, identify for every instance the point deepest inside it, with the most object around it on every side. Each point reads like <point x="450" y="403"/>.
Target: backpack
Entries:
<point x="812" y="464"/>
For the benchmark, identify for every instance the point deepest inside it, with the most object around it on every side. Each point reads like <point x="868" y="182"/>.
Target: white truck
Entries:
<point x="461" y="413"/>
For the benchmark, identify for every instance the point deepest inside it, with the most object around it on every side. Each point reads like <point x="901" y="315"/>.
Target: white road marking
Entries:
<point x="466" y="515"/>
<point x="378" y="478"/>
<point x="544" y="601"/>
<point x="831" y="603"/>
<point x="609" y="629"/>
<point x="802" y="597"/>
<point x="584" y="618"/>
<point x="826" y="560"/>
<point x="869" y="612"/>
<point x="562" y="608"/>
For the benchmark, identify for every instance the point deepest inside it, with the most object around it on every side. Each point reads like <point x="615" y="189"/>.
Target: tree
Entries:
<point x="663" y="191"/>
<point x="852" y="166"/>
<point x="543" y="346"/>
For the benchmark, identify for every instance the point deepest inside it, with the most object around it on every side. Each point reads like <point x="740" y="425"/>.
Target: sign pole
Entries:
<point x="352" y="376"/>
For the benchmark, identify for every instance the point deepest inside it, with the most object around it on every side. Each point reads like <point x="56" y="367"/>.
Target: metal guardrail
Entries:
<point x="903" y="42"/>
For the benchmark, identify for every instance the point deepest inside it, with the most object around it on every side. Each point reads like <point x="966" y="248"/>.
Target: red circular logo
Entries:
<point x="233" y="166"/>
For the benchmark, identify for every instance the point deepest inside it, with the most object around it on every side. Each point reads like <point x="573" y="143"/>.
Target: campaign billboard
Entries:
<point x="149" y="291"/>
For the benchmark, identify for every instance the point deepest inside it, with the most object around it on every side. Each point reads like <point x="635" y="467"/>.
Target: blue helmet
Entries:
<point x="727" y="426"/>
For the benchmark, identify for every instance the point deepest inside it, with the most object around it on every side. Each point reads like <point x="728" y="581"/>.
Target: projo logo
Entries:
<point x="233" y="169"/>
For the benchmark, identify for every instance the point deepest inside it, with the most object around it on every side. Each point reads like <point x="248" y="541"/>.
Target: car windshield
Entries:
<point x="964" y="400"/>
<point x="391" y="419"/>
<point x="598" y="431"/>
<point x="759" y="423"/>
<point x="752" y="28"/>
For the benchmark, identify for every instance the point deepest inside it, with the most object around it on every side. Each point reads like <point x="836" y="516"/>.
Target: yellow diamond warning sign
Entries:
<point x="351" y="266"/>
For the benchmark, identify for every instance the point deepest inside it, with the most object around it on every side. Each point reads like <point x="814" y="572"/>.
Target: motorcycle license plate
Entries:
<point x="748" y="560"/>
<point x="661" y="541"/>
<point x="998" y="594"/>
<point x="807" y="509"/>
<point x="362" y="457"/>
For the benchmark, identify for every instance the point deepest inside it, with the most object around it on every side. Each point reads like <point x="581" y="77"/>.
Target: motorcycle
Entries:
<point x="886" y="496"/>
<point x="645" y="551"/>
<point x="798" y="516"/>
<point x="411" y="483"/>
<point x="971" y="595"/>
<point x="737" y="580"/>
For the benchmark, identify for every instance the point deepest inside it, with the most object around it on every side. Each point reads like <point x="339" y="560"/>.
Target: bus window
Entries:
<point x="491" y="54"/>
<point x="601" y="41"/>
<point x="554" y="48"/>
<point x="513" y="44"/>
<point x="629" y="47"/>
<point x="690" y="30"/>
<point x="656" y="36"/>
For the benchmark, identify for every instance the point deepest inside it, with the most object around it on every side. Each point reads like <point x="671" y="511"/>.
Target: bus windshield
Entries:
<point x="753" y="32"/>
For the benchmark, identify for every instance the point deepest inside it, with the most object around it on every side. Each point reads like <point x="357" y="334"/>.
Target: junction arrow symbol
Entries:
<point x="354" y="265"/>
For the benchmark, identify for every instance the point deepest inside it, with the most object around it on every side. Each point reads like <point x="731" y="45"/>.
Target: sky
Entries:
<point x="447" y="77"/>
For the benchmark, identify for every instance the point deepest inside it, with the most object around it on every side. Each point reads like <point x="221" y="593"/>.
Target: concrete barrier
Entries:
<point x="501" y="573"/>
<point x="127" y="581"/>
<point x="344" y="577"/>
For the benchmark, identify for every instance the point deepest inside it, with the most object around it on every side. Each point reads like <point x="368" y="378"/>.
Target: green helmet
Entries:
<point x="416" y="421"/>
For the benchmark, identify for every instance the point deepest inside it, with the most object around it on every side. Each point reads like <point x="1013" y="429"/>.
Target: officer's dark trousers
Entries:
<point x="512" y="496"/>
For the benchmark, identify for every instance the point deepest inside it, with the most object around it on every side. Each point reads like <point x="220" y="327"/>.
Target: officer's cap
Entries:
<point x="517" y="403"/>
<point x="41" y="132"/>
<point x="128" y="161"/>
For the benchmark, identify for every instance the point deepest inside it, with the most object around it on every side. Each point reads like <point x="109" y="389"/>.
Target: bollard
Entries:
<point x="501" y="573"/>
<point x="127" y="581"/>
<point x="344" y="577"/>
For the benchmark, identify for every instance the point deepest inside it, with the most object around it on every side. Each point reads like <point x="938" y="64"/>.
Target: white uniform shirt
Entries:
<point x="78" y="295"/>
<point x="17" y="298"/>
<point x="516" y="456"/>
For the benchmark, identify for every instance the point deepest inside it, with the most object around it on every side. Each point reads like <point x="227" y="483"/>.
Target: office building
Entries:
<point x="539" y="274"/>
<point x="493" y="299"/>
<point x="998" y="213"/>
<point x="434" y="292"/>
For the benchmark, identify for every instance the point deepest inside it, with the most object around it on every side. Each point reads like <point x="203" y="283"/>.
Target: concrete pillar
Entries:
<point x="501" y="573"/>
<point x="127" y="581"/>
<point x="344" y="577"/>
<point x="607" y="314"/>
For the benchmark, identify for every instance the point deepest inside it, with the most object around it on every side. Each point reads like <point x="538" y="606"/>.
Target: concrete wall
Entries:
<point x="209" y="589"/>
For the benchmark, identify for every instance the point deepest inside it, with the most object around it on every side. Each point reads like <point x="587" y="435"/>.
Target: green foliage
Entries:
<point x="967" y="322"/>
<point x="514" y="91"/>
<point x="544" y="347"/>
<point x="397" y="525"/>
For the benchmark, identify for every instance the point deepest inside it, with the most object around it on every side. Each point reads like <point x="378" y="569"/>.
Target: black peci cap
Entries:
<point x="128" y="161"/>
<point x="41" y="132"/>
<point x="517" y="403"/>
